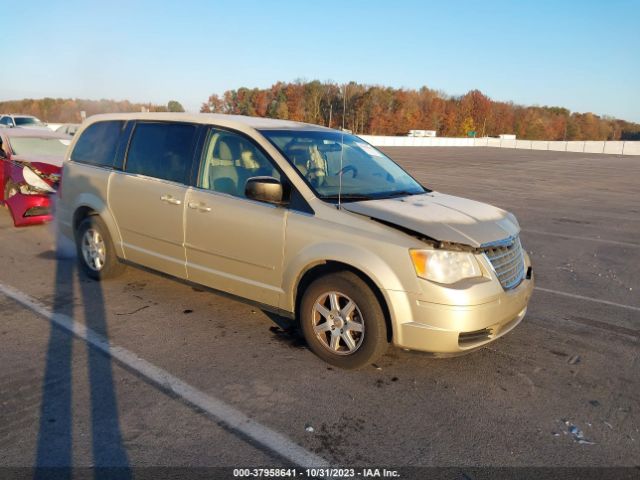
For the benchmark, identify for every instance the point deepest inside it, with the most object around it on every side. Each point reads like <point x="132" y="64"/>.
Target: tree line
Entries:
<point x="379" y="110"/>
<point x="366" y="109"/>
<point x="67" y="110"/>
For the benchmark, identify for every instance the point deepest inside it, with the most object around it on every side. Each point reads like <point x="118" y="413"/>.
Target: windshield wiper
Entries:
<point x="348" y="196"/>
<point x="354" y="197"/>
<point x="400" y="193"/>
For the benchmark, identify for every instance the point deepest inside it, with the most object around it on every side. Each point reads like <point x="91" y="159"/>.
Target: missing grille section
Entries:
<point x="468" y="339"/>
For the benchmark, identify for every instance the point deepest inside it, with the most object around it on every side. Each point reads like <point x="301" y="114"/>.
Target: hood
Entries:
<point x="444" y="218"/>
<point x="35" y="127"/>
<point x="53" y="160"/>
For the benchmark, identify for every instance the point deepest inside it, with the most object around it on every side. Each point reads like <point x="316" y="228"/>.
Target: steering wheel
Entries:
<point x="348" y="168"/>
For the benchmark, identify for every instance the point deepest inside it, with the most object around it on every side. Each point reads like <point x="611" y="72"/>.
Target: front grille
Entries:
<point x="507" y="260"/>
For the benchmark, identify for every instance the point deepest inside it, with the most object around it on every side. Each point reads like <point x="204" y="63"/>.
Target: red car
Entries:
<point x="31" y="164"/>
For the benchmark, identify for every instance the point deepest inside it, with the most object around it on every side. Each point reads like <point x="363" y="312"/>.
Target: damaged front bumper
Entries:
<point x="450" y="330"/>
<point x="29" y="209"/>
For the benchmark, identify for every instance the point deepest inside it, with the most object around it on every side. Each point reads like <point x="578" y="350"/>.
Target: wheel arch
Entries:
<point x="80" y="214"/>
<point x="322" y="268"/>
<point x="90" y="205"/>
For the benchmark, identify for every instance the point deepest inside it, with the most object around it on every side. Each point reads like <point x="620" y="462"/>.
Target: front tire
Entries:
<point x="96" y="253"/>
<point x="342" y="321"/>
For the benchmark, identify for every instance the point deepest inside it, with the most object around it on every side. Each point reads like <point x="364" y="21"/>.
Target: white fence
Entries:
<point x="610" y="147"/>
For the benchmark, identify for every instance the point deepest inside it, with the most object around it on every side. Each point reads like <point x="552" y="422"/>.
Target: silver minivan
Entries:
<point x="312" y="223"/>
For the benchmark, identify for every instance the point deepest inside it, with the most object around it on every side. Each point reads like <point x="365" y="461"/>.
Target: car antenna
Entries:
<point x="344" y="113"/>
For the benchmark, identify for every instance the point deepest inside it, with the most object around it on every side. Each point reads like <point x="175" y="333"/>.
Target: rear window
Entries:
<point x="98" y="144"/>
<point x="162" y="150"/>
<point x="27" y="121"/>
<point x="39" y="146"/>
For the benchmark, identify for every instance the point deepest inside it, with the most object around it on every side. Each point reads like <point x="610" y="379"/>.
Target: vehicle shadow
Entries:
<point x="54" y="452"/>
<point x="286" y="330"/>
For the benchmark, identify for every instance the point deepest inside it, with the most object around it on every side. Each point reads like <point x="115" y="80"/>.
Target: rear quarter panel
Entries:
<point x="86" y="186"/>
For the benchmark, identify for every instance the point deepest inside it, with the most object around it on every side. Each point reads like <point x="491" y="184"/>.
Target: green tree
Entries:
<point x="175" y="106"/>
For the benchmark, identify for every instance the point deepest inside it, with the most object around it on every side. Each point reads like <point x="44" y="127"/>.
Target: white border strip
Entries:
<point x="576" y="237"/>
<point x="580" y="297"/>
<point x="614" y="147"/>
<point x="220" y="411"/>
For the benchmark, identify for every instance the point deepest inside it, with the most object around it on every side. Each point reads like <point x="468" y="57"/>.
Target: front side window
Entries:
<point x="229" y="160"/>
<point x="336" y="163"/>
<point x="162" y="150"/>
<point x="6" y="121"/>
<point x="98" y="144"/>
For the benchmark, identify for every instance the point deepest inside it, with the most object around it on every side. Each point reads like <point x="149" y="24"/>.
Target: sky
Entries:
<point x="582" y="55"/>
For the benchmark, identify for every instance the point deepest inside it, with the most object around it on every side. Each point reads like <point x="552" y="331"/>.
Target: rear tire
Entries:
<point x="96" y="253"/>
<point x="342" y="321"/>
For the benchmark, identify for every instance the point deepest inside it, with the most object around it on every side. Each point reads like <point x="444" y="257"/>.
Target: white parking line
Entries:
<point x="220" y="411"/>
<point x="589" y="299"/>
<point x="576" y="237"/>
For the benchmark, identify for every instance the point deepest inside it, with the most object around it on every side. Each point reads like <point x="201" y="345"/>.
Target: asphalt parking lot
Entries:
<point x="562" y="389"/>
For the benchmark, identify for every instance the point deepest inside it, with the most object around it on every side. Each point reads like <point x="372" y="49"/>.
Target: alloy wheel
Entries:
<point x="338" y="323"/>
<point x="93" y="249"/>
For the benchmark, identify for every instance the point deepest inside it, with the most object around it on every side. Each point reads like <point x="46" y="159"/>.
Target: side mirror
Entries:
<point x="264" y="189"/>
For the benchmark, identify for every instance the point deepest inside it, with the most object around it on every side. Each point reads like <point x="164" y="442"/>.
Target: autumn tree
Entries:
<point x="467" y="126"/>
<point x="366" y="109"/>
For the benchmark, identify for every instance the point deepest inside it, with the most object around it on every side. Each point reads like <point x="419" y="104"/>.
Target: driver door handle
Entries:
<point x="200" y="206"/>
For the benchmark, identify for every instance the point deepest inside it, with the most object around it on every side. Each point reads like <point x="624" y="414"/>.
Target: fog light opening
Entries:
<point x="37" y="212"/>
<point x="468" y="339"/>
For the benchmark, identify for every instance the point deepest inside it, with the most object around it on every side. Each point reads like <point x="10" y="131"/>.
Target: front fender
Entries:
<point x="370" y="264"/>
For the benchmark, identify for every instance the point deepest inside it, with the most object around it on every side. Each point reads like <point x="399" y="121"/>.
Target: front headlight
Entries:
<point x="35" y="181"/>
<point x="445" y="266"/>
